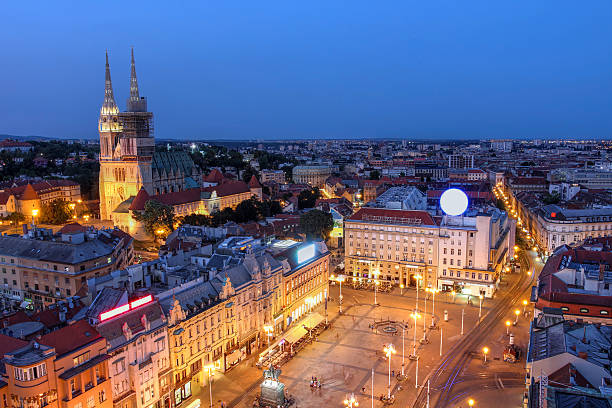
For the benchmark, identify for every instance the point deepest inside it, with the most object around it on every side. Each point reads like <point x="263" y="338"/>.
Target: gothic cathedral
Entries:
<point x="128" y="161"/>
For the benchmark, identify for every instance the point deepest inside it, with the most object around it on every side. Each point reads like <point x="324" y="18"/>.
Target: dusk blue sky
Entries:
<point x="313" y="69"/>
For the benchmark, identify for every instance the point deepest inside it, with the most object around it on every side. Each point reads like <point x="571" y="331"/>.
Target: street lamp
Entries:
<point x="417" y="278"/>
<point x="485" y="351"/>
<point x="401" y="289"/>
<point x="389" y="351"/>
<point x="375" y="273"/>
<point x="525" y="302"/>
<point x="34" y="215"/>
<point x="269" y="332"/>
<point x="433" y="292"/>
<point x="340" y="279"/>
<point x="415" y="316"/>
<point x="517" y="313"/>
<point x="480" y="306"/>
<point x="209" y="369"/>
<point x="351" y="402"/>
<point x="508" y="324"/>
<point x="471" y="402"/>
<point x="403" y="330"/>
<point x="453" y="293"/>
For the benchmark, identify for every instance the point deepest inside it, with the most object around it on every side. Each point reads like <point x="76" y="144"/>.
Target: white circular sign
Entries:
<point x="454" y="201"/>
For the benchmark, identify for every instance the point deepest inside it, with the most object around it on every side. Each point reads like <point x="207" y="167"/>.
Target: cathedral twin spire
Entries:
<point x="109" y="106"/>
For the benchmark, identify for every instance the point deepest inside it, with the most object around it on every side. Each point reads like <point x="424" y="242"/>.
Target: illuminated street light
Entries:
<point x="485" y="351"/>
<point x="401" y="289"/>
<point x="453" y="293"/>
<point x="351" y="402"/>
<point x="375" y="273"/>
<point x="471" y="402"/>
<point x="389" y="351"/>
<point x="415" y="316"/>
<point x="339" y="279"/>
<point x="417" y="278"/>
<point x="525" y="303"/>
<point x="209" y="369"/>
<point x="480" y="307"/>
<point x="433" y="292"/>
<point x="269" y="332"/>
<point x="517" y="313"/>
<point x="34" y="215"/>
<point x="508" y="323"/>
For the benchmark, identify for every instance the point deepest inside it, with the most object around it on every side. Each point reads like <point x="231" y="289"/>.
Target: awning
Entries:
<point x="312" y="320"/>
<point x="295" y="334"/>
<point x="446" y="282"/>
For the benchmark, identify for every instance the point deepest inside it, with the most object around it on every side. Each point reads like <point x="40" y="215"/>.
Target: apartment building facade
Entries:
<point x="312" y="175"/>
<point x="36" y="270"/>
<point x="67" y="368"/>
<point x="464" y="254"/>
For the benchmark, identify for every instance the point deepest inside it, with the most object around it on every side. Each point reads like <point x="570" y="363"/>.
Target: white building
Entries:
<point x="272" y="175"/>
<point x="402" y="198"/>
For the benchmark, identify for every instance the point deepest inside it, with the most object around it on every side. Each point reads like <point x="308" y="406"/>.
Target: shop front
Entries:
<point x="182" y="391"/>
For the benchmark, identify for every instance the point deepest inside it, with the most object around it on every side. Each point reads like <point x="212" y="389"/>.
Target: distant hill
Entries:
<point x="34" y="138"/>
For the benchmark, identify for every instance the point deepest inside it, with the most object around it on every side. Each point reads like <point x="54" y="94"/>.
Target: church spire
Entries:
<point x="135" y="103"/>
<point x="109" y="106"/>
<point x="134" y="97"/>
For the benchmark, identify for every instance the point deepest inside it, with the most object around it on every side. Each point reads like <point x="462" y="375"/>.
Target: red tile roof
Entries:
<point x="140" y="200"/>
<point x="254" y="183"/>
<point x="178" y="197"/>
<point x="13" y="143"/>
<point x="229" y="188"/>
<point x="365" y="212"/>
<point x="4" y="197"/>
<point x="70" y="337"/>
<point x="29" y="193"/>
<point x="214" y="176"/>
<point x="8" y="344"/>
<point x="72" y="228"/>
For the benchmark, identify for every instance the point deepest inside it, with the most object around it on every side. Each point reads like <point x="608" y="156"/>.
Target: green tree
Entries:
<point x="196" y="219"/>
<point x="56" y="212"/>
<point x="375" y="175"/>
<point x="157" y="218"/>
<point x="246" y="211"/>
<point x="308" y="198"/>
<point x="16" y="217"/>
<point x="316" y="224"/>
<point x="548" y="198"/>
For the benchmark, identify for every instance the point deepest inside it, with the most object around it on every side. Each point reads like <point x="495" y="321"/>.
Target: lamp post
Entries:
<point x="339" y="279"/>
<point x="471" y="402"/>
<point x="433" y="292"/>
<point x="517" y="313"/>
<point x="508" y="324"/>
<point x="415" y="316"/>
<point x="375" y="274"/>
<point x="34" y="215"/>
<point x="480" y="306"/>
<point x="485" y="351"/>
<point x="401" y="289"/>
<point x="417" y="278"/>
<point x="524" y="306"/>
<point x="403" y="330"/>
<point x="389" y="351"/>
<point x="351" y="402"/>
<point x="209" y="369"/>
<point x="454" y="293"/>
<point x="268" y="329"/>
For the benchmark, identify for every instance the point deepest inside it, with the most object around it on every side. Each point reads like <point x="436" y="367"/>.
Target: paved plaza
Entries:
<point x="343" y="356"/>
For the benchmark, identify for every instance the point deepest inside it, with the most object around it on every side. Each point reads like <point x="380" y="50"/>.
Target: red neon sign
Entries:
<point x="125" y="308"/>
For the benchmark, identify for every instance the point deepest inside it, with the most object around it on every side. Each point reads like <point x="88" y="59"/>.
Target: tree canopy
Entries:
<point x="55" y="212"/>
<point x="316" y="224"/>
<point x="308" y="198"/>
<point x="157" y="218"/>
<point x="248" y="210"/>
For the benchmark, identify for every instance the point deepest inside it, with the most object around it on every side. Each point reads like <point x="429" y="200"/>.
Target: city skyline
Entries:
<point x="397" y="71"/>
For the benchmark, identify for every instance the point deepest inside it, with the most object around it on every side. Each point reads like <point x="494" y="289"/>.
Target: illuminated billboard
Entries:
<point x="305" y="253"/>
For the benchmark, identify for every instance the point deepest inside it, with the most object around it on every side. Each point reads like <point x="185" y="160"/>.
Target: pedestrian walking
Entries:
<point x="392" y="373"/>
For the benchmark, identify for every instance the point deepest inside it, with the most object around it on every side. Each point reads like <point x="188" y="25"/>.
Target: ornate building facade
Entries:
<point x="128" y="160"/>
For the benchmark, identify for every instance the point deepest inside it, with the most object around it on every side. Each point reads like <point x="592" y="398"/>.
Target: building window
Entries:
<point x="604" y="312"/>
<point x="565" y="308"/>
<point x="584" y="310"/>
